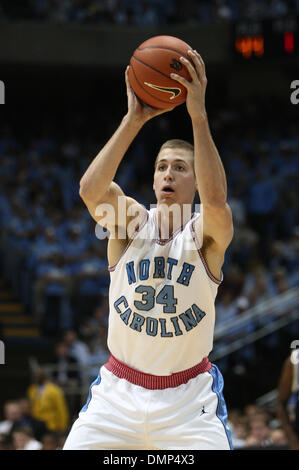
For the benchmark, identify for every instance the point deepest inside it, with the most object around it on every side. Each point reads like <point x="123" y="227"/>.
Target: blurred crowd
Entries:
<point x="256" y="428"/>
<point x="41" y="417"/>
<point x="25" y="427"/>
<point x="145" y="12"/>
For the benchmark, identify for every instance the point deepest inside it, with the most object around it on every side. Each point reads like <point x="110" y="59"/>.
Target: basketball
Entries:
<point x="150" y="68"/>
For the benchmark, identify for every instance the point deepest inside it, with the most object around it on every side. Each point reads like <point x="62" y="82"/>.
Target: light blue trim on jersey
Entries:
<point x="95" y="382"/>
<point x="221" y="411"/>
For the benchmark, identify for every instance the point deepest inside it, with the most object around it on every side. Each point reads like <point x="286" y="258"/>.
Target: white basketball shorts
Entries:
<point x="122" y="415"/>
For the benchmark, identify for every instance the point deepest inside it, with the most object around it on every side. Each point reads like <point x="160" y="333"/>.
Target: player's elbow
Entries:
<point x="86" y="192"/>
<point x="83" y="189"/>
<point x="92" y="193"/>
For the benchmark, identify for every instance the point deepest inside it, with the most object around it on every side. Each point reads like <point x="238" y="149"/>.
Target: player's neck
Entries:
<point x="170" y="219"/>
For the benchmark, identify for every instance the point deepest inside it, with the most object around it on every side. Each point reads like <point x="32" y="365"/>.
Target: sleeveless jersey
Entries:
<point x="162" y="300"/>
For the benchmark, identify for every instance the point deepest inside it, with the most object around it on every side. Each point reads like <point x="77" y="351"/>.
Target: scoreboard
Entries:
<point x="266" y="39"/>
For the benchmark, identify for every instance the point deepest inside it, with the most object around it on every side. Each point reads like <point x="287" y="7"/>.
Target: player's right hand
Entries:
<point x="139" y="112"/>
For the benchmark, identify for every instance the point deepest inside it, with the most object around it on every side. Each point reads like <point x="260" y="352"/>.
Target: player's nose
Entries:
<point x="168" y="176"/>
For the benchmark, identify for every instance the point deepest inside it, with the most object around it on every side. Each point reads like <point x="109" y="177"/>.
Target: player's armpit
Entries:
<point x="217" y="227"/>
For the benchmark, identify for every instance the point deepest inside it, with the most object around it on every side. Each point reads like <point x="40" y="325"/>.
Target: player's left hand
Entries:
<point x="196" y="89"/>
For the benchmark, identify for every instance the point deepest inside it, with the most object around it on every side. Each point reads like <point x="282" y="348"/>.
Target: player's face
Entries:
<point x="174" y="178"/>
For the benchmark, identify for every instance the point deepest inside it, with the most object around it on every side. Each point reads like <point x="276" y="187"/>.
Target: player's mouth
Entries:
<point x="167" y="190"/>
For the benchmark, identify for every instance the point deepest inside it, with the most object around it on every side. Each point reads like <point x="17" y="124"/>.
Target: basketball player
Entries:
<point x="289" y="385"/>
<point x="159" y="389"/>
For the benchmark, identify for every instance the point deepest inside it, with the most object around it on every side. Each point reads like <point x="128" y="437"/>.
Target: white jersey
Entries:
<point x="162" y="301"/>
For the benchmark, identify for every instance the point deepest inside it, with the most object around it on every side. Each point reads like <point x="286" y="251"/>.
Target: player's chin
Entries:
<point x="168" y="196"/>
<point x="168" y="201"/>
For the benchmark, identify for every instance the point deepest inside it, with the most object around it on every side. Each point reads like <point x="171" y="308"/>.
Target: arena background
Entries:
<point x="64" y="97"/>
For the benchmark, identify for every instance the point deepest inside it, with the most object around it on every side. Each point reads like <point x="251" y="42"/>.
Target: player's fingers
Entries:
<point x="190" y="68"/>
<point x="127" y="78"/>
<point x="195" y="59"/>
<point x="132" y="99"/>
<point x="180" y="79"/>
<point x="200" y="60"/>
<point x="203" y="68"/>
<point x="130" y="92"/>
<point x="198" y="63"/>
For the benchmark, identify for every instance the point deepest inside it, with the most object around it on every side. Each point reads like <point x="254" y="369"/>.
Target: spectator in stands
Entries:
<point x="74" y="245"/>
<point x="278" y="438"/>
<point x="76" y="220"/>
<point x="5" y="442"/>
<point x="89" y="279"/>
<point x="280" y="280"/>
<point x="23" y="439"/>
<point x="246" y="353"/>
<point x="258" y="286"/>
<point x="77" y="348"/>
<point x="262" y="201"/>
<point x="91" y="328"/>
<point x="50" y="441"/>
<point x="57" y="226"/>
<point x="22" y="229"/>
<point x="106" y="12"/>
<point x="285" y="253"/>
<point x="48" y="403"/>
<point x="241" y="432"/>
<point x="250" y="411"/>
<point x="226" y="310"/>
<point x="47" y="246"/>
<point x="52" y="287"/>
<point x="38" y="427"/>
<point x="259" y="433"/>
<point x="66" y="371"/>
<point x="12" y="415"/>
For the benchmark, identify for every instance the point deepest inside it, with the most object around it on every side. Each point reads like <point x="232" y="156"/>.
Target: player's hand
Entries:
<point x="138" y="112"/>
<point x="196" y="89"/>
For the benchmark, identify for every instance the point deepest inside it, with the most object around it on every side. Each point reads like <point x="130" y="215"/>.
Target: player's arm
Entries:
<point x="284" y="392"/>
<point x="97" y="187"/>
<point x="209" y="171"/>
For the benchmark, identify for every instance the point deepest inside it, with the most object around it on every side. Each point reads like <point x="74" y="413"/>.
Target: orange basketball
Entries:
<point x="150" y="68"/>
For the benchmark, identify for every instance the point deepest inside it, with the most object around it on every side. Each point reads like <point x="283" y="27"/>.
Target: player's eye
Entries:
<point x="179" y="167"/>
<point x="161" y="167"/>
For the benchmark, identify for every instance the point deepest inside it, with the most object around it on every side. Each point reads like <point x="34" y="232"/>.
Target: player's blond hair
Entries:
<point x="176" y="144"/>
